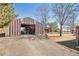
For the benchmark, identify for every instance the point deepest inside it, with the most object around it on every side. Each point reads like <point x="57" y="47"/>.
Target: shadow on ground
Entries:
<point x="69" y="44"/>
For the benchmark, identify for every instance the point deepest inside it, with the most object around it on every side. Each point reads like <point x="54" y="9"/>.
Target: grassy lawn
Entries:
<point x="67" y="40"/>
<point x="65" y="37"/>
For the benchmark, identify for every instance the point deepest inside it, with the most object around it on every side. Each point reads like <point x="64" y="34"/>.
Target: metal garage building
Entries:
<point x="24" y="26"/>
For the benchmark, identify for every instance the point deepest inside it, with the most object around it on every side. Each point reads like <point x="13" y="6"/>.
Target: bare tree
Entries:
<point x="62" y="12"/>
<point x="71" y="21"/>
<point x="42" y="13"/>
<point x="73" y="18"/>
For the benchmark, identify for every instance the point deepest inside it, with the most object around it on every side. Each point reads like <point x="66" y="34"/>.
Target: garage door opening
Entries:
<point x="27" y="29"/>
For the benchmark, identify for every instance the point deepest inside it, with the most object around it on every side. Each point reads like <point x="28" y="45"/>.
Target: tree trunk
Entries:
<point x="72" y="31"/>
<point x="61" y="30"/>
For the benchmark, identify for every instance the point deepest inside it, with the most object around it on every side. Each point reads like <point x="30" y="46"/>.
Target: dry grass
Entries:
<point x="65" y="37"/>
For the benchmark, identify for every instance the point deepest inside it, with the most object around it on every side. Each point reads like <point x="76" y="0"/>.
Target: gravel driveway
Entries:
<point x="32" y="46"/>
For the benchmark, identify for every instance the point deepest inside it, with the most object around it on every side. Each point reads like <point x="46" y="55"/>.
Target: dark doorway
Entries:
<point x="2" y="34"/>
<point x="27" y="29"/>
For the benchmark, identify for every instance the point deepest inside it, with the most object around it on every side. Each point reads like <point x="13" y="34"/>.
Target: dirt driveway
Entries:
<point x="32" y="46"/>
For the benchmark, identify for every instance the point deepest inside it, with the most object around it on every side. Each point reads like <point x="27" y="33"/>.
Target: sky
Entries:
<point x="28" y="10"/>
<point x="25" y="9"/>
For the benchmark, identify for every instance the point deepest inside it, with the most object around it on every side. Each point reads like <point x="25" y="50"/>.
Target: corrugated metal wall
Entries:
<point x="39" y="29"/>
<point x="27" y="20"/>
<point x="14" y="29"/>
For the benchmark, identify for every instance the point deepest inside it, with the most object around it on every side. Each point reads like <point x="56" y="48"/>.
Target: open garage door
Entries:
<point x="27" y="29"/>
